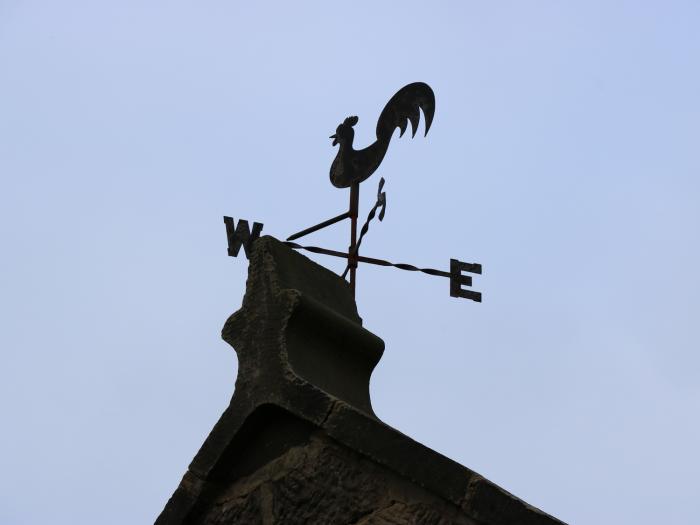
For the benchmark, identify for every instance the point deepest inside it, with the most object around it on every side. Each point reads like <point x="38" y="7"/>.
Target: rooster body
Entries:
<point x="352" y="166"/>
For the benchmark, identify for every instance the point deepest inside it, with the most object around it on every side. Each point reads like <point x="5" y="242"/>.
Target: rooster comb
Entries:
<point x="350" y="121"/>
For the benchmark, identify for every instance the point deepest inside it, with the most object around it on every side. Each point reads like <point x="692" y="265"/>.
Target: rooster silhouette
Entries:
<point x="352" y="166"/>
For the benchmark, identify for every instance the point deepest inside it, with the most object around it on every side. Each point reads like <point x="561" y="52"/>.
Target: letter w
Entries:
<point x="241" y="235"/>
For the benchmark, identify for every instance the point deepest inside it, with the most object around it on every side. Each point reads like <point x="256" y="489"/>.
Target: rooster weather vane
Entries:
<point x="349" y="169"/>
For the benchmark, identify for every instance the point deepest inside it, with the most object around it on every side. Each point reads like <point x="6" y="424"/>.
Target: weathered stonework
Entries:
<point x="324" y="482"/>
<point x="299" y="442"/>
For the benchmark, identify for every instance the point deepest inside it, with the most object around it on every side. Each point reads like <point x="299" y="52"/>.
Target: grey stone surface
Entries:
<point x="324" y="482"/>
<point x="299" y="442"/>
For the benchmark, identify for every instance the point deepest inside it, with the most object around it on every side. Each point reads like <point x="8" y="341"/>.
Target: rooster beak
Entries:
<point x="335" y="139"/>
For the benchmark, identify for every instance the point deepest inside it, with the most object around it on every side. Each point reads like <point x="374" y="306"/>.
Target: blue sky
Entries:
<point x="563" y="157"/>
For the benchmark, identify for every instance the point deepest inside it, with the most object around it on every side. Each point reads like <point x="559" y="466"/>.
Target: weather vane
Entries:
<point x="349" y="169"/>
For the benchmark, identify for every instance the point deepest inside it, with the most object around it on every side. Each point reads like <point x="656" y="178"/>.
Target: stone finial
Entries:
<point x="298" y="335"/>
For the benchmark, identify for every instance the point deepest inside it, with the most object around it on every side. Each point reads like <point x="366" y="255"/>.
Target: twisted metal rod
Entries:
<point x="381" y="202"/>
<point x="476" y="268"/>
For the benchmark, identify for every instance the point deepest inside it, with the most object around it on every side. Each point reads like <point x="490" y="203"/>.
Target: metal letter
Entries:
<point x="457" y="280"/>
<point x="241" y="235"/>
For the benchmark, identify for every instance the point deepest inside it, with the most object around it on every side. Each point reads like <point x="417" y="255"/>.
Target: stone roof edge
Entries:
<point x="475" y="495"/>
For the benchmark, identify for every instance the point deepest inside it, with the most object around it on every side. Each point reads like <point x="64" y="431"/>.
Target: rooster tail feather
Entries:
<point x="404" y="107"/>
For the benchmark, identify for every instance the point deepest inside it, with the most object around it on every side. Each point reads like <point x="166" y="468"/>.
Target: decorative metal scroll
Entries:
<point x="350" y="168"/>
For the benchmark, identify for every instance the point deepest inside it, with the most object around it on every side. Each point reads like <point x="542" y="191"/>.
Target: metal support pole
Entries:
<point x="319" y="226"/>
<point x="354" y="206"/>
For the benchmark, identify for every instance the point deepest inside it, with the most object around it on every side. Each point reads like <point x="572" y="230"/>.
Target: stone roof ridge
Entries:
<point x="304" y="366"/>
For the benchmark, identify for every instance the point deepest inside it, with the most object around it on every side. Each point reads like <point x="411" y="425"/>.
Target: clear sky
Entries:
<point x="563" y="157"/>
